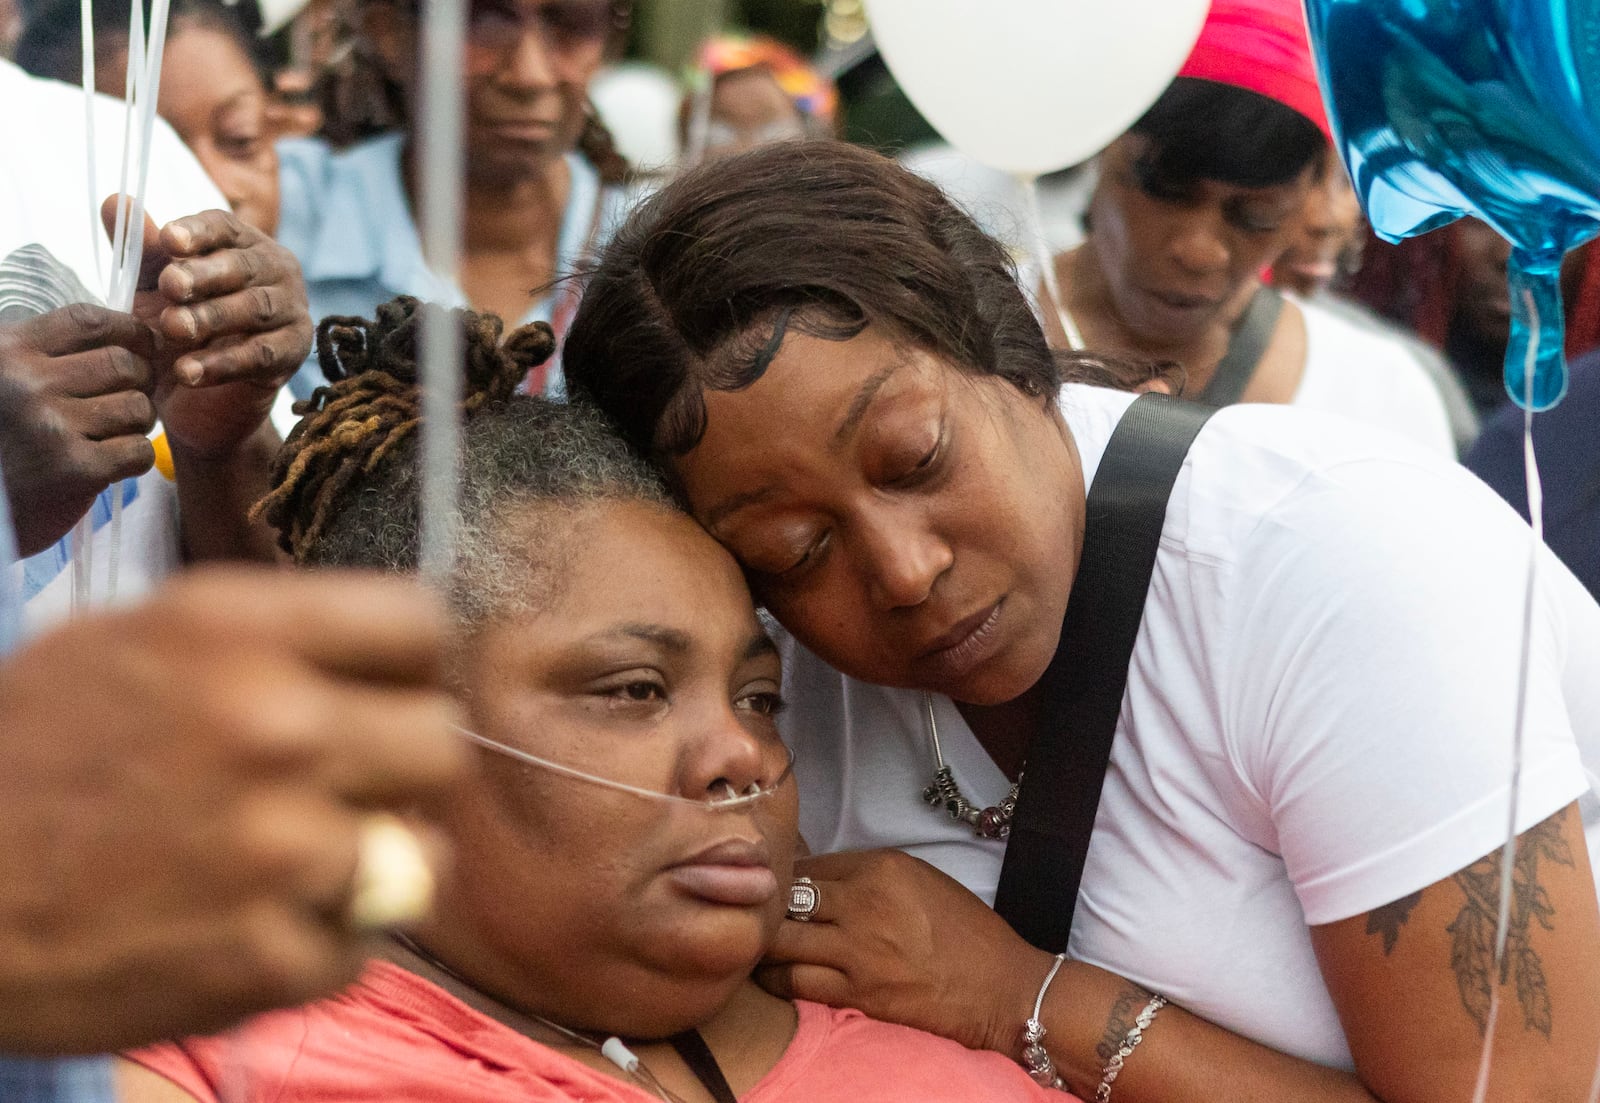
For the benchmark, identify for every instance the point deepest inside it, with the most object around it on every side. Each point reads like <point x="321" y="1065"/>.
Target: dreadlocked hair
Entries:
<point x="373" y="403"/>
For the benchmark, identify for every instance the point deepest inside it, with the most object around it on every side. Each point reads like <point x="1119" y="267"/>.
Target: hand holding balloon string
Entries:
<point x="228" y="309"/>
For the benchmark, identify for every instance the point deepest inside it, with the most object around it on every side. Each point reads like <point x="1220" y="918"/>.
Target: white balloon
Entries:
<point x="1031" y="86"/>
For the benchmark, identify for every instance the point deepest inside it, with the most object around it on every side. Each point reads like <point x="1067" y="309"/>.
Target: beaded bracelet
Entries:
<point x="1130" y="1042"/>
<point x="1035" y="1058"/>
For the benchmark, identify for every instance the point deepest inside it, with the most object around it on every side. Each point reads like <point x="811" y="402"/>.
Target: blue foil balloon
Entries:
<point x="1445" y="108"/>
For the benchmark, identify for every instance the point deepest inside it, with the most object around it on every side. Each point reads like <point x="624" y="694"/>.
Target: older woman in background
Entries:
<point x="1202" y="194"/>
<point x="542" y="179"/>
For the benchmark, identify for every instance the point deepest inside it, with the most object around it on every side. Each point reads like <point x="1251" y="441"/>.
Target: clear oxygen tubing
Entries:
<point x="1530" y="596"/>
<point x="611" y="1047"/>
<point x="730" y="801"/>
<point x="1029" y="183"/>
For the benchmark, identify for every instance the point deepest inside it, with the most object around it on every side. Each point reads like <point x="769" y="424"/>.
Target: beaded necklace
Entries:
<point x="993" y="822"/>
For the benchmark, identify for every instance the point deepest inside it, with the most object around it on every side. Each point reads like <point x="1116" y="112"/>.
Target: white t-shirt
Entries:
<point x="1318" y="718"/>
<point x="1367" y="375"/>
<point x="45" y="202"/>
<point x="1351" y="370"/>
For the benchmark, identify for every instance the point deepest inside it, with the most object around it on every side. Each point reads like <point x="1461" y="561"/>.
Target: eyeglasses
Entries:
<point x="495" y="26"/>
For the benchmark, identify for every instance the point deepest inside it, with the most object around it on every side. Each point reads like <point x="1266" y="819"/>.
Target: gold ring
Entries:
<point x="393" y="883"/>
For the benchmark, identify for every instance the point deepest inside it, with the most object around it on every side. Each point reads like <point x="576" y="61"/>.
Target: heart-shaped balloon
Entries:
<point x="1445" y="108"/>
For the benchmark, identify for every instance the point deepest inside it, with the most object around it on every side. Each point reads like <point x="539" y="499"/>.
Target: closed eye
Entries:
<point x="808" y="559"/>
<point x="240" y="149"/>
<point x="922" y="466"/>
<point x="1255" y="225"/>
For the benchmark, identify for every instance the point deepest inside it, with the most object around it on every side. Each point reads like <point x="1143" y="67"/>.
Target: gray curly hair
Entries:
<point x="527" y="467"/>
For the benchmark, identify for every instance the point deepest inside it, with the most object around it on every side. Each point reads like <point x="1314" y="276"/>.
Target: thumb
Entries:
<point x="154" y="258"/>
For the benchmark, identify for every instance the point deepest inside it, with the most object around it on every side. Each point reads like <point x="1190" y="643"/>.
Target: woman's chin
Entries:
<point x="506" y="165"/>
<point x="725" y="947"/>
<point x="657" y="1006"/>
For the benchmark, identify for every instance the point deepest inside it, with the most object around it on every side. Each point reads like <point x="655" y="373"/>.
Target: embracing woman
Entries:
<point x="1291" y="885"/>
<point x="622" y="850"/>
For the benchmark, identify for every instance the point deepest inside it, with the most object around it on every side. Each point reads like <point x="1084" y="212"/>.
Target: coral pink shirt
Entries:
<point x="395" y="1038"/>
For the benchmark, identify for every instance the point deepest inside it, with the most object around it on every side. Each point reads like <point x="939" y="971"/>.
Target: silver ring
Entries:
<point x="804" y="900"/>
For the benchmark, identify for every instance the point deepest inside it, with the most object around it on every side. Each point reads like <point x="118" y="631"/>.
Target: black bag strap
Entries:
<point x="1067" y="758"/>
<point x="703" y="1063"/>
<point x="1250" y="339"/>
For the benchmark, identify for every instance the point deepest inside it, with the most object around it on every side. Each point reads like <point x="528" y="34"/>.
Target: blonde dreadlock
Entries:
<point x="373" y="402"/>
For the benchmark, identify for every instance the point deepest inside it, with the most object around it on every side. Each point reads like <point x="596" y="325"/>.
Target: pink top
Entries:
<point x="395" y="1038"/>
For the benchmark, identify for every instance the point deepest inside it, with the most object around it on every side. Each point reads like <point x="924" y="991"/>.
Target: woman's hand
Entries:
<point x="182" y="792"/>
<point x="74" y="410"/>
<point x="228" y="310"/>
<point x="901" y="941"/>
<point x="229" y="307"/>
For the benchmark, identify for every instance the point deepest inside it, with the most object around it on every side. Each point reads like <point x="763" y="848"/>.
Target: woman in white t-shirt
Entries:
<point x="1296" y="840"/>
<point x="1201" y="195"/>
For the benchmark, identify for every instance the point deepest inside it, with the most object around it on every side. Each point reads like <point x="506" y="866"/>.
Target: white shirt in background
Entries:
<point x="1361" y="373"/>
<point x="45" y="201"/>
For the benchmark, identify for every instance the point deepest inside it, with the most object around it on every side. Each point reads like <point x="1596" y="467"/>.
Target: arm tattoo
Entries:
<point x="1388" y="919"/>
<point x="1472" y="945"/>
<point x="1472" y="948"/>
<point x="1130" y="1001"/>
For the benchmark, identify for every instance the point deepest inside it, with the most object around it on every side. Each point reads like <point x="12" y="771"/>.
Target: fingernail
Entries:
<point x="189" y="371"/>
<point x="182" y="238"/>
<point x="182" y="285"/>
<point x="187" y="325"/>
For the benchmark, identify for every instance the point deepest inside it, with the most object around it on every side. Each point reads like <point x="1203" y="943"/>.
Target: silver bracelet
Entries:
<point x="1130" y="1042"/>
<point x="1035" y="1058"/>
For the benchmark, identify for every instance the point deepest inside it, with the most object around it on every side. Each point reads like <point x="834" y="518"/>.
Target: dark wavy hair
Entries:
<point x="699" y="286"/>
<point x="1205" y="130"/>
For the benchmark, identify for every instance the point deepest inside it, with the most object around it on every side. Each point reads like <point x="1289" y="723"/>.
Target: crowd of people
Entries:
<point x="725" y="758"/>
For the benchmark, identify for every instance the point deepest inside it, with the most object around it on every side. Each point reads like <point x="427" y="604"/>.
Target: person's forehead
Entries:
<point x="632" y="561"/>
<point x="209" y="64"/>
